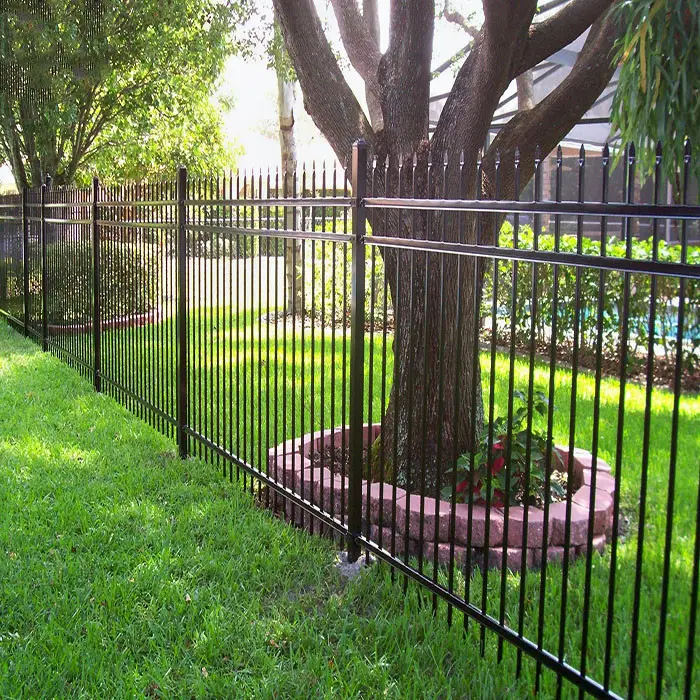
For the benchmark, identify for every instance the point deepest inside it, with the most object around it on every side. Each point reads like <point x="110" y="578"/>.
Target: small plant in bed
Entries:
<point x="516" y="459"/>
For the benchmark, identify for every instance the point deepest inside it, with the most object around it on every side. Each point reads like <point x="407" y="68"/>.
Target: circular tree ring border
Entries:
<point x="290" y="464"/>
<point x="132" y="321"/>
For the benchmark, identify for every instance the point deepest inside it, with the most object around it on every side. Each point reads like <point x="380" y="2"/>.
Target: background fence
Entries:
<point x="332" y="346"/>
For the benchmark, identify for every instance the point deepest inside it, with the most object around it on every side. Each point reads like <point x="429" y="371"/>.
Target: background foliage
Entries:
<point x="520" y="312"/>
<point x="85" y="79"/>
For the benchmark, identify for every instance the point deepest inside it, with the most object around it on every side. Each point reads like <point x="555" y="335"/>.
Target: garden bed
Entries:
<point x="131" y="321"/>
<point x="394" y="519"/>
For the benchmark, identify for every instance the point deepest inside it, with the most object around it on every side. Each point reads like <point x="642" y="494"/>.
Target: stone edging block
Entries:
<point x="289" y="463"/>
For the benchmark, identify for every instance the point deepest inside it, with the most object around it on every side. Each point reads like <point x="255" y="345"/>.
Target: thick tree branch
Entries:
<point x="502" y="18"/>
<point x="404" y="73"/>
<point x="558" y="31"/>
<point x="483" y="78"/>
<point x="549" y="121"/>
<point x="327" y="96"/>
<point x="370" y="14"/>
<point x="362" y="49"/>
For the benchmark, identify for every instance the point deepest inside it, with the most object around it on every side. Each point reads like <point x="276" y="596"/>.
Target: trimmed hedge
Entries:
<point x="666" y="295"/>
<point x="129" y="281"/>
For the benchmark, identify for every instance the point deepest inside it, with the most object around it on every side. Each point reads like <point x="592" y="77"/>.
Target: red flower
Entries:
<point x="498" y="499"/>
<point x="498" y="465"/>
<point x="498" y="445"/>
<point x="463" y="486"/>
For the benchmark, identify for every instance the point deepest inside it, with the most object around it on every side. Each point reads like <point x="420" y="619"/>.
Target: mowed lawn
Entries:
<point x="125" y="572"/>
<point x="229" y="339"/>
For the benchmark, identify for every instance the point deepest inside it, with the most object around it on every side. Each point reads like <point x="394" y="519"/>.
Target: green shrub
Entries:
<point x="327" y="293"/>
<point x="129" y="280"/>
<point x="219" y="245"/>
<point x="10" y="280"/>
<point x="666" y="295"/>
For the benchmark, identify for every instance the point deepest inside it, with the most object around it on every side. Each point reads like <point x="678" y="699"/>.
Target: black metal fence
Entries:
<point x="507" y="415"/>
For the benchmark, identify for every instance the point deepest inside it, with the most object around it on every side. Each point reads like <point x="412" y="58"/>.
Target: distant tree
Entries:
<point x="74" y="70"/>
<point x="183" y="129"/>
<point x="286" y="102"/>
<point x="658" y="93"/>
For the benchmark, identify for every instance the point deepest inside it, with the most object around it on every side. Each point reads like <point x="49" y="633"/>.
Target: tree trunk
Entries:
<point x="435" y="405"/>
<point x="435" y="408"/>
<point x="526" y="91"/>
<point x="288" y="152"/>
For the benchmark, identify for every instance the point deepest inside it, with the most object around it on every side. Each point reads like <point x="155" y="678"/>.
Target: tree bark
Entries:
<point x="286" y="97"/>
<point x="435" y="406"/>
<point x="526" y="91"/>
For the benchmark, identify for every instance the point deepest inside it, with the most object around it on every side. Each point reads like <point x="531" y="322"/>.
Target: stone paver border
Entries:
<point x="289" y="464"/>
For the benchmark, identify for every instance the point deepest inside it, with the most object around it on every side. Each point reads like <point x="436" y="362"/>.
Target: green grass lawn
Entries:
<point x="377" y="643"/>
<point x="125" y="572"/>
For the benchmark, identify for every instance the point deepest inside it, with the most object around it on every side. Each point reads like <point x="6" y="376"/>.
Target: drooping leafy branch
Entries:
<point x="658" y="93"/>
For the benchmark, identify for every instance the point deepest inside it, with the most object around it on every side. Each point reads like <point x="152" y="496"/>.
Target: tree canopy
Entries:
<point x="76" y="74"/>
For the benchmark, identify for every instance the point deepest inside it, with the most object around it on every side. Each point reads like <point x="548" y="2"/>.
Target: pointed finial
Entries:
<point x="632" y="153"/>
<point x="498" y="158"/>
<point x="687" y="151"/>
<point x="374" y="162"/>
<point x="400" y="160"/>
<point x="559" y="155"/>
<point x="581" y="155"/>
<point x="659" y="152"/>
<point x="461" y="157"/>
<point x="444" y="157"/>
<point x="538" y="157"/>
<point x="606" y="154"/>
<point x="516" y="156"/>
<point x="415" y="159"/>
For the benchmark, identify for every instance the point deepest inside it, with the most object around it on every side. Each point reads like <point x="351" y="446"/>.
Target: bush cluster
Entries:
<point x="206" y="245"/>
<point x="325" y="291"/>
<point x="129" y="280"/>
<point x="666" y="293"/>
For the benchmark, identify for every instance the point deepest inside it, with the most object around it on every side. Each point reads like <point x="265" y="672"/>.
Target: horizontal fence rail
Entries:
<point x="490" y="384"/>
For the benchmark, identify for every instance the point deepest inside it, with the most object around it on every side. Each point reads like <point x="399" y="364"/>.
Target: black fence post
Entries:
<point x="44" y="290"/>
<point x="96" y="289"/>
<point x="182" y="292"/>
<point x="25" y="258"/>
<point x="357" y="346"/>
